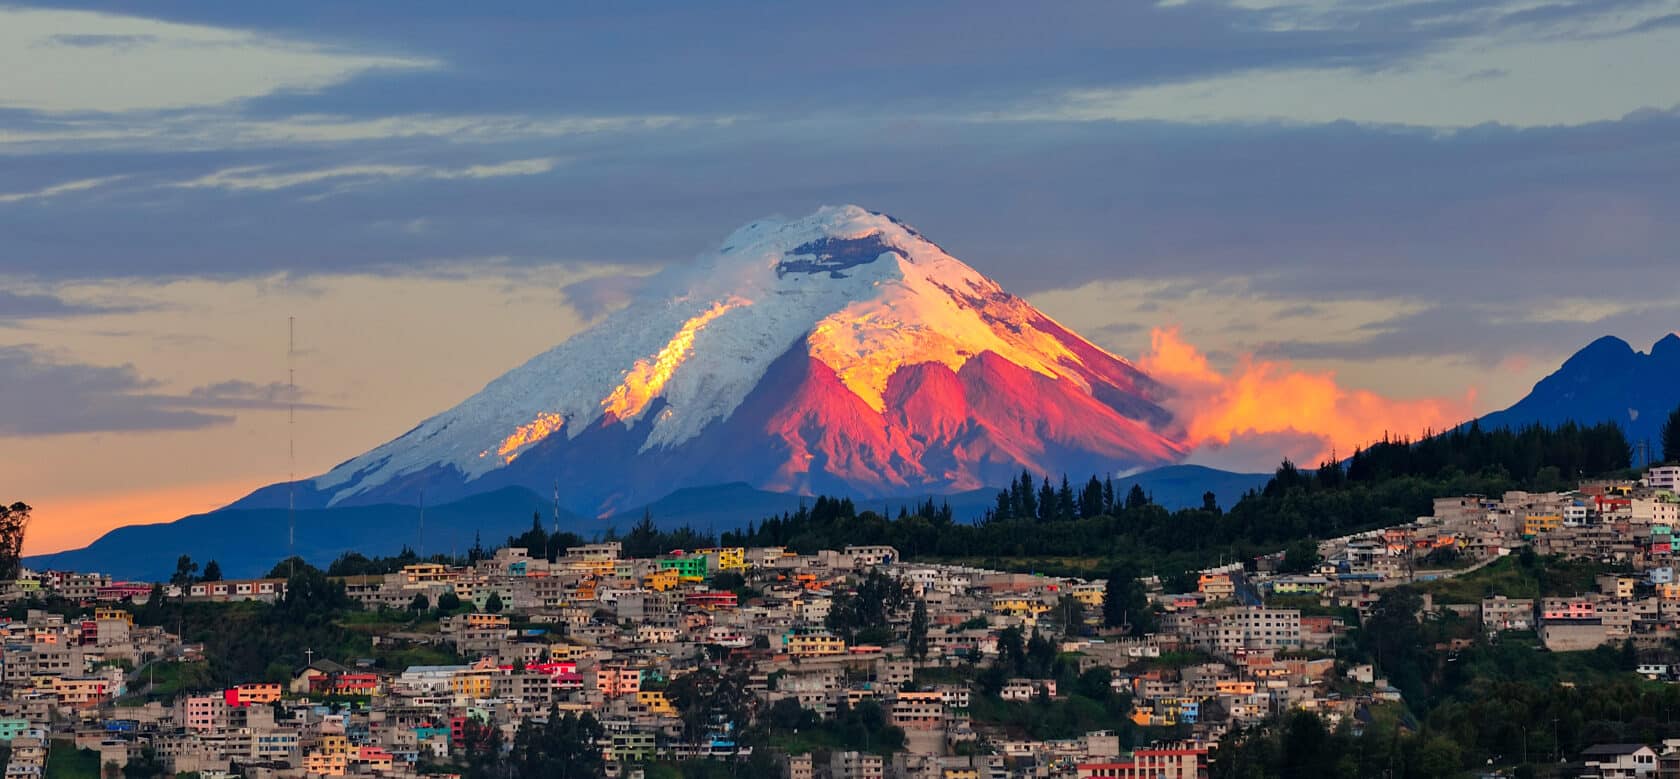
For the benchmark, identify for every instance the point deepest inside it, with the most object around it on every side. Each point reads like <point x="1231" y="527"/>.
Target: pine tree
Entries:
<point x="1671" y="437"/>
<point x="1136" y="498"/>
<point x="1028" y="503"/>
<point x="917" y="644"/>
<point x="212" y="572"/>
<point x="1065" y="508"/>
<point x="493" y="605"/>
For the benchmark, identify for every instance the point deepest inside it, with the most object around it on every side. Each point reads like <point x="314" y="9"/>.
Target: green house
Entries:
<point x="688" y="567"/>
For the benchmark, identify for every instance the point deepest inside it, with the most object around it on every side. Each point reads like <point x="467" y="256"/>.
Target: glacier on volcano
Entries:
<point x="839" y="352"/>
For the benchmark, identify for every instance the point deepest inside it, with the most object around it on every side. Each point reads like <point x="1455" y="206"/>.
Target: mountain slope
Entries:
<point x="1606" y="381"/>
<point x="248" y="542"/>
<point x="842" y="352"/>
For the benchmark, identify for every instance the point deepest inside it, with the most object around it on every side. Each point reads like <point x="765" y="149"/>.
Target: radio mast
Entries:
<point x="291" y="444"/>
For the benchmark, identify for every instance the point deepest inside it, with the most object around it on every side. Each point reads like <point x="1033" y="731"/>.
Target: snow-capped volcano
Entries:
<point x="838" y="352"/>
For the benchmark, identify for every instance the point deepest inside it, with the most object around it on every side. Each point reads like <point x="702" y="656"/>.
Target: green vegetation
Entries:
<point x="797" y="730"/>
<point x="1387" y="484"/>
<point x="1503" y="702"/>
<point x="64" y="761"/>
<point x="864" y="615"/>
<point x="1069" y="716"/>
<point x="1523" y="575"/>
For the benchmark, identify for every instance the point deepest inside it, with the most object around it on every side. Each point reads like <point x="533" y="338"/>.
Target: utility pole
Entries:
<point x="291" y="444"/>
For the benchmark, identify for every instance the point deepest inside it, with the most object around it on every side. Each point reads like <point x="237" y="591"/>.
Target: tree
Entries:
<point x="212" y="572"/>
<point x="286" y="568"/>
<point x="493" y="604"/>
<point x="864" y="615"/>
<point x="420" y="603"/>
<point x="1072" y="614"/>
<point x="1210" y="503"/>
<point x="14" y="521"/>
<point x="713" y="702"/>
<point x="1671" y="437"/>
<point x="533" y="541"/>
<point x="1301" y="556"/>
<point x="185" y="571"/>
<point x="1124" y="601"/>
<point x="1096" y="683"/>
<point x="1136" y="498"/>
<point x="448" y="601"/>
<point x="917" y="644"/>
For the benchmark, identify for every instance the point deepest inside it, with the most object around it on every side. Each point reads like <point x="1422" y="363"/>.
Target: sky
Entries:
<point x="1418" y="207"/>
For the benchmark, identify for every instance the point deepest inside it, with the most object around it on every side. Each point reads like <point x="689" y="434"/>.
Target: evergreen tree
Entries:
<point x="1671" y="437"/>
<point x="1136" y="498"/>
<point x="493" y="604"/>
<point x="1108" y="495"/>
<point x="1046" y="502"/>
<point x="1091" y="499"/>
<point x="212" y="572"/>
<point x="186" y="572"/>
<point x="1027" y="502"/>
<point x="1210" y="503"/>
<point x="420" y="603"/>
<point x="917" y="643"/>
<point x="1065" y="508"/>
<point x="1125" y="602"/>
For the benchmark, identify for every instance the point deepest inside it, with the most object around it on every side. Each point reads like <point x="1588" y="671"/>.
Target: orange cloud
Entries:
<point x="1269" y="398"/>
<point x="71" y="522"/>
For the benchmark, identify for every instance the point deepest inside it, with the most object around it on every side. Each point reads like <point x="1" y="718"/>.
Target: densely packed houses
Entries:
<point x="597" y="632"/>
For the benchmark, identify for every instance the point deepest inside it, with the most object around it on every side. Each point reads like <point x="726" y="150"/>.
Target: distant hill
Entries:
<point x="247" y="542"/>
<point x="1606" y="381"/>
<point x="1181" y="486"/>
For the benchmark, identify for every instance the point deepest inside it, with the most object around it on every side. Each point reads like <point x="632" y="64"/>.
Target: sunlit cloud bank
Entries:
<point x="1271" y="406"/>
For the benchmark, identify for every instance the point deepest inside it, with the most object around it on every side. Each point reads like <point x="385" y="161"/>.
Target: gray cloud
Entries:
<point x="599" y="295"/>
<point x="49" y="396"/>
<point x="1485" y="334"/>
<point x="16" y="306"/>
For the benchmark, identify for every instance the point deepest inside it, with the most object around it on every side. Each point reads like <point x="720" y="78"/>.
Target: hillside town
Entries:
<point x="937" y="654"/>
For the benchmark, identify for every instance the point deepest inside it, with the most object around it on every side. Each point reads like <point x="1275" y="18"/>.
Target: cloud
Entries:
<point x="68" y="61"/>
<point x="46" y="395"/>
<point x="265" y="178"/>
<point x="54" y="190"/>
<point x="1501" y="330"/>
<point x="16" y="306"/>
<point x="1268" y="399"/>
<point x="240" y="394"/>
<point x="598" y="295"/>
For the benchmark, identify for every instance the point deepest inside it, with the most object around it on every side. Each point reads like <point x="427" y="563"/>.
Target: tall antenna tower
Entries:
<point x="291" y="443"/>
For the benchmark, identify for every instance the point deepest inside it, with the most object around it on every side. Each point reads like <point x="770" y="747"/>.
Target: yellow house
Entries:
<point x="815" y="644"/>
<point x="324" y="763"/>
<point x="656" y="702"/>
<point x="661" y="580"/>
<point x="113" y="615"/>
<point x="729" y="558"/>
<point x="1535" y="524"/>
<point x="473" y="682"/>
<point x="1018" y="606"/>
<point x="1089" y="595"/>
<point x="334" y="743"/>
<point x="565" y="653"/>
<point x="1234" y="687"/>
